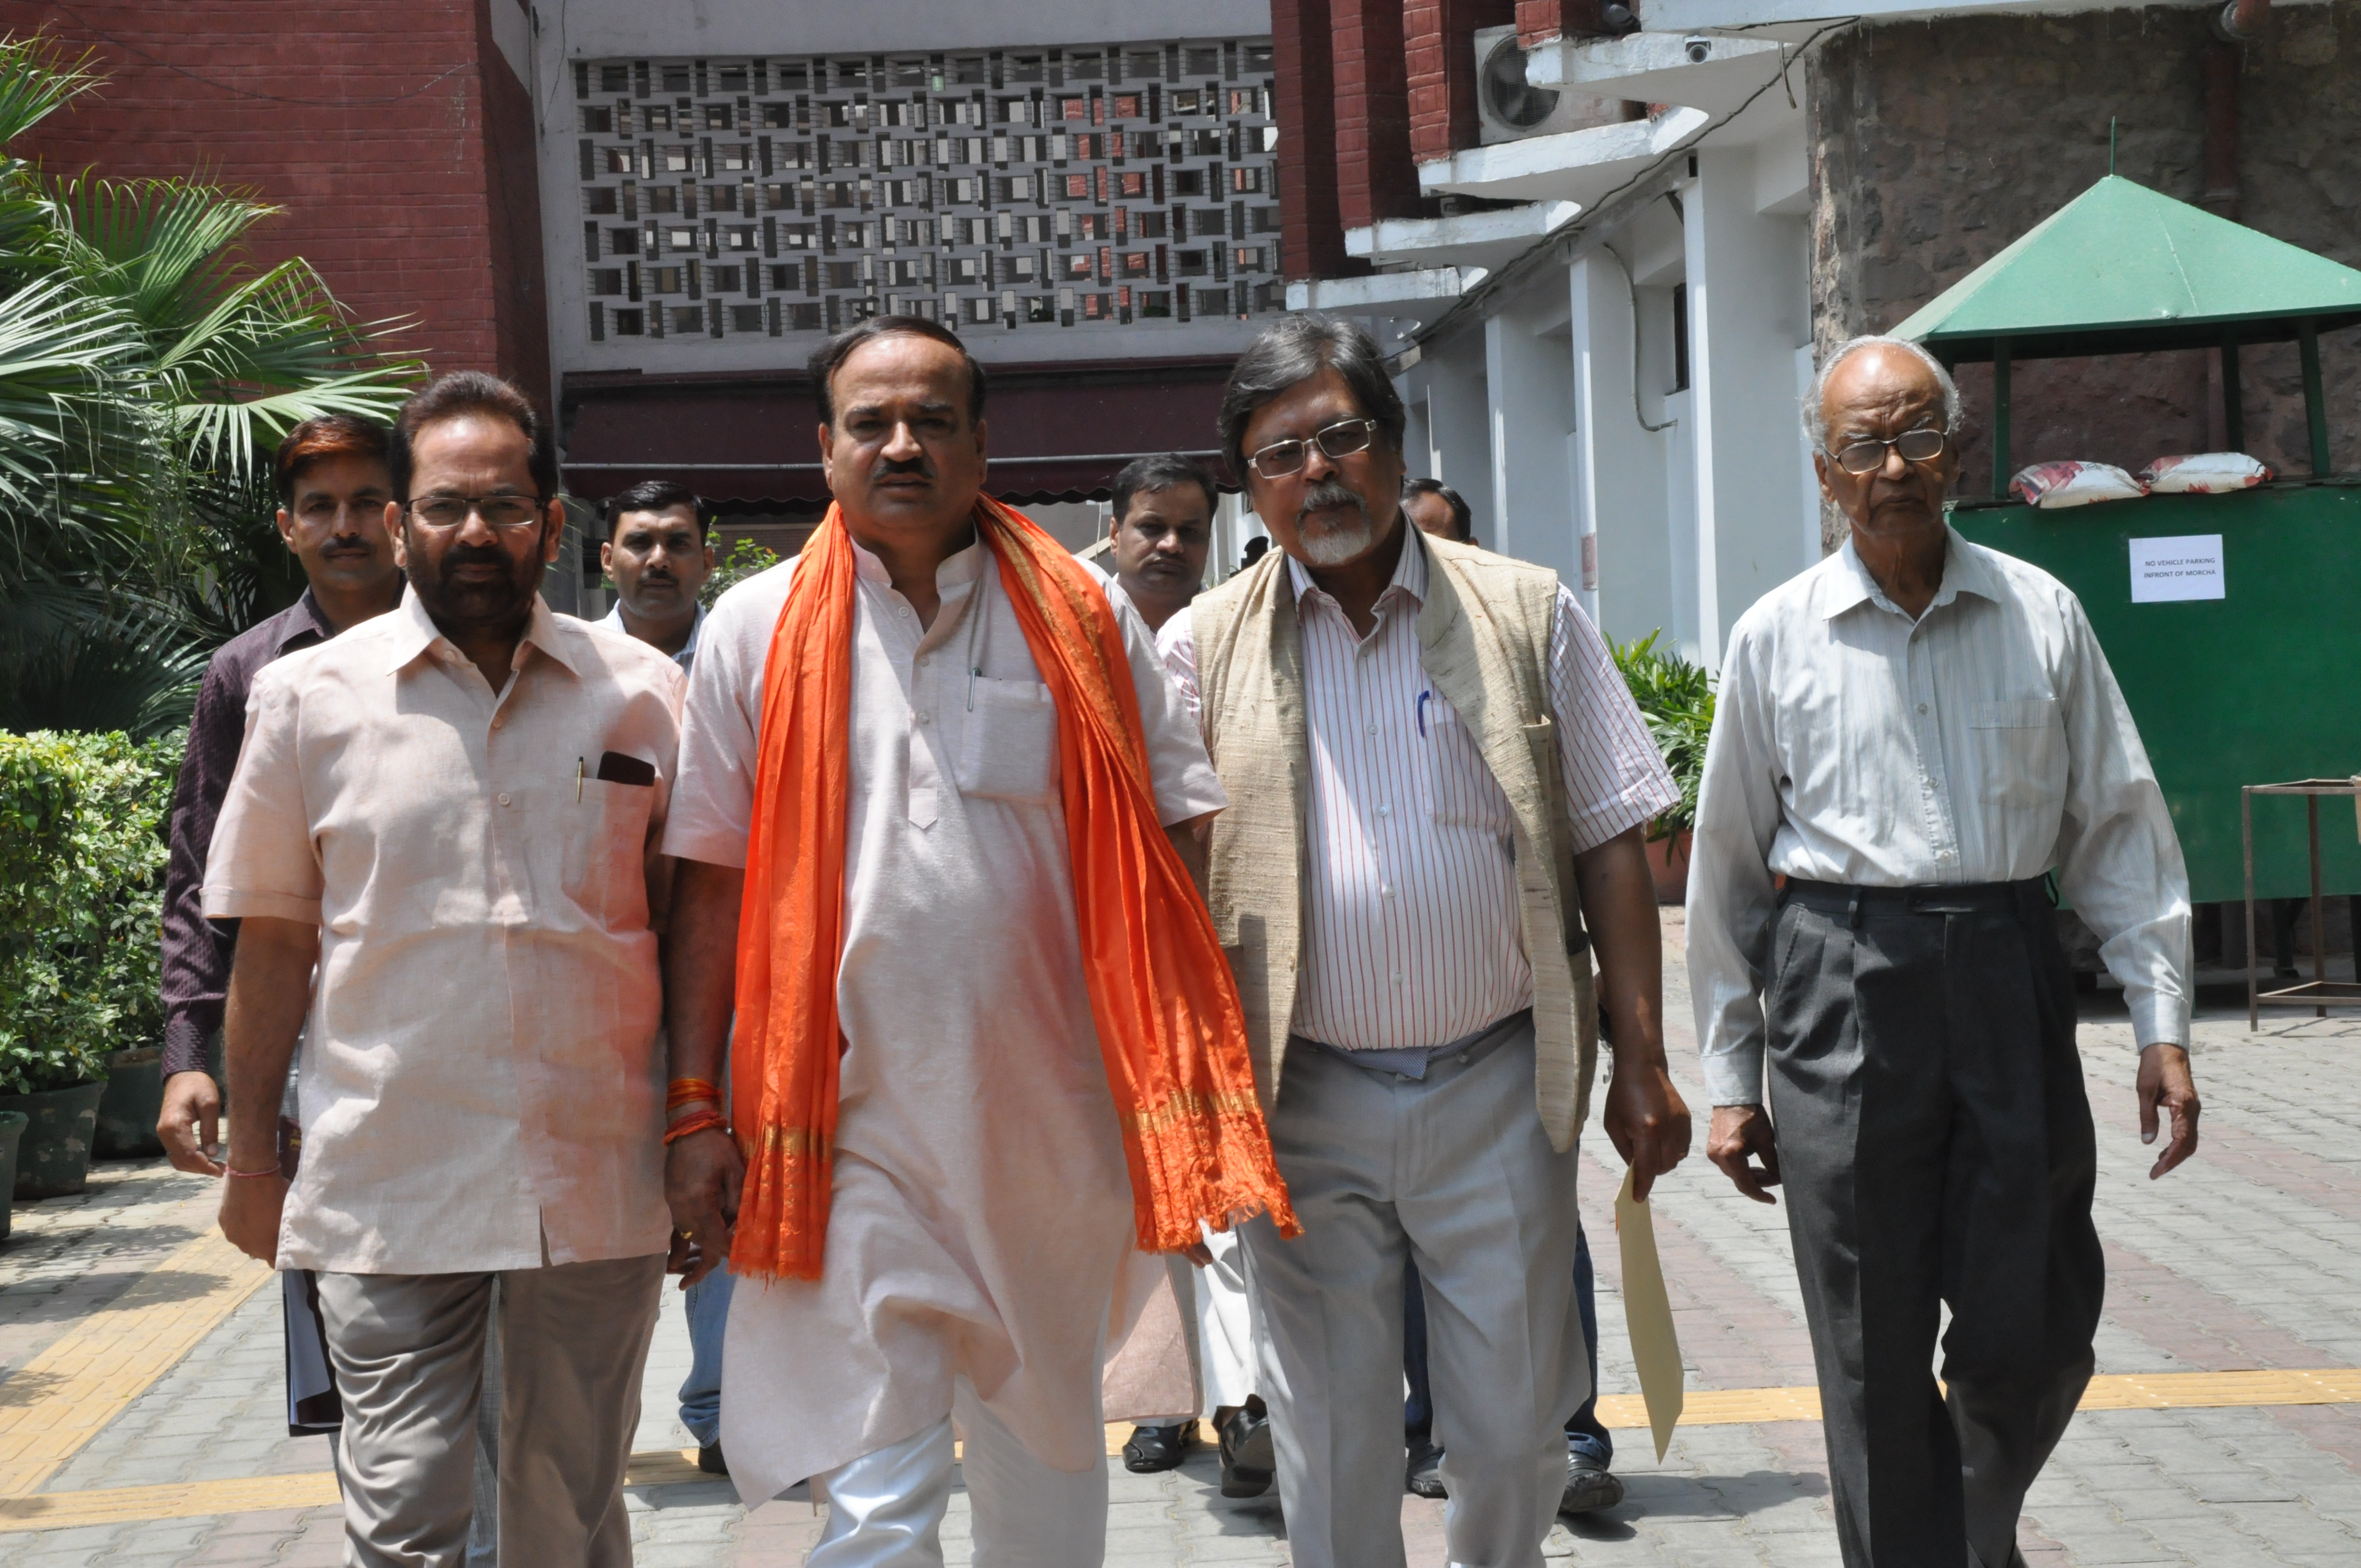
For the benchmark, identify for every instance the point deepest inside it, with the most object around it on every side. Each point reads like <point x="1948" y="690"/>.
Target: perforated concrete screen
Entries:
<point x="1039" y="192"/>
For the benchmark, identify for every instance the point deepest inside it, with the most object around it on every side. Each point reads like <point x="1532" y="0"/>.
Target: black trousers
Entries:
<point x="1936" y="1147"/>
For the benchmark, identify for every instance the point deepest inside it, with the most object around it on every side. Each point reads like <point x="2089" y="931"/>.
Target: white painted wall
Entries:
<point x="1619" y="491"/>
<point x="1748" y="308"/>
<point x="1458" y="426"/>
<point x="1529" y="374"/>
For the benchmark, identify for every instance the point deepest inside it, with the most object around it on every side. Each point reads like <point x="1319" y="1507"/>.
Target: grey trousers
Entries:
<point x="1936" y="1147"/>
<point x="1455" y="1172"/>
<point x="409" y="1351"/>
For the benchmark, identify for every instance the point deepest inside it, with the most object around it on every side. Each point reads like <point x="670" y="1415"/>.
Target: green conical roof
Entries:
<point x="2121" y="270"/>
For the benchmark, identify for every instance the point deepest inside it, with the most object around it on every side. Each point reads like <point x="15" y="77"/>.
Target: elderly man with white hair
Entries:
<point x="1918" y="734"/>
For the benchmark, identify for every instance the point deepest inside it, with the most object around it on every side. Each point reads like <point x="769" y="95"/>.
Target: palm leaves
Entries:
<point x="1675" y="698"/>
<point x="145" y="371"/>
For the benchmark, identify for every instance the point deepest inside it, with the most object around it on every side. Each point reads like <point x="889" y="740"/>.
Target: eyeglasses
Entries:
<point x="510" y="514"/>
<point x="1869" y="457"/>
<point x="1342" y="439"/>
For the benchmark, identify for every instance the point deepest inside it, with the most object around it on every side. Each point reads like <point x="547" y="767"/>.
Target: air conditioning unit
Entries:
<point x="1508" y="109"/>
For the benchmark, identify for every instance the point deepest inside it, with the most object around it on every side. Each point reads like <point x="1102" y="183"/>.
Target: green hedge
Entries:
<point x="82" y="881"/>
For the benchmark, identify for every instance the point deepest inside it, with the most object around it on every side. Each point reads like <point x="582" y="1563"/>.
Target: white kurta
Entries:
<point x="981" y="1208"/>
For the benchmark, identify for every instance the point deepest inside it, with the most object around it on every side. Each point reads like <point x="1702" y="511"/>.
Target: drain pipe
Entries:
<point x="2237" y="24"/>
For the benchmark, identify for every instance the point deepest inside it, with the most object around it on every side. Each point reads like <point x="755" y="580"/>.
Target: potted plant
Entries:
<point x="1675" y="698"/>
<point x="81" y="885"/>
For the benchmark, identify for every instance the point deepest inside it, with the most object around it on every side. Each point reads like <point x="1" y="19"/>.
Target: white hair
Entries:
<point x="1816" y="422"/>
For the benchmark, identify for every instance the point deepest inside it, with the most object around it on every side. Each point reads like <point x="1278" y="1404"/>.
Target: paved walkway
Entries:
<point x="120" y="1444"/>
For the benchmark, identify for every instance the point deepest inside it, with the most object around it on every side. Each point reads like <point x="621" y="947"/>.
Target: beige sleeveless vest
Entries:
<point x="1483" y="639"/>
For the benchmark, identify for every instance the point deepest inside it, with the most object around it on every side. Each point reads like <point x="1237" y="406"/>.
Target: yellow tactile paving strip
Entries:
<point x="65" y="1395"/>
<point x="1705" y="1407"/>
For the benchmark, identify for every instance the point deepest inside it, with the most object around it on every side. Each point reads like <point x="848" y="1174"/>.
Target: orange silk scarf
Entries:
<point x="1167" y="1009"/>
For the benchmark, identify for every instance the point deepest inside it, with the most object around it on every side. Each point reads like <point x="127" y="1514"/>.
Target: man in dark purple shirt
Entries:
<point x="333" y="489"/>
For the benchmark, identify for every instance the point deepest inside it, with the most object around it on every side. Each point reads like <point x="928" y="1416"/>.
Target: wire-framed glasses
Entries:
<point x="1342" y="439"/>
<point x="509" y="513"/>
<point x="1868" y="456"/>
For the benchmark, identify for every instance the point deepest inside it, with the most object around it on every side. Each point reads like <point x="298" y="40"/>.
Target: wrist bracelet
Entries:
<point x="695" y="1122"/>
<point x="256" y="1175"/>
<point x="683" y="1091"/>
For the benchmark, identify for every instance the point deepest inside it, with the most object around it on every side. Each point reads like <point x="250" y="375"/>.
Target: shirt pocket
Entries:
<point x="1008" y="746"/>
<point x="605" y="851"/>
<point x="1460" y="789"/>
<point x="2020" y="751"/>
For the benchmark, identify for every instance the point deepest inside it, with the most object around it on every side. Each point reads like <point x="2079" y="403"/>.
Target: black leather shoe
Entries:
<point x="1422" y="1474"/>
<point x="1152" y="1449"/>
<point x="709" y="1460"/>
<point x="1589" y="1486"/>
<point x="1248" y="1461"/>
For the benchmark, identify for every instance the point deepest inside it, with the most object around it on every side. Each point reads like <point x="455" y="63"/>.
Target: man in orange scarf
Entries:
<point x="984" y="1040"/>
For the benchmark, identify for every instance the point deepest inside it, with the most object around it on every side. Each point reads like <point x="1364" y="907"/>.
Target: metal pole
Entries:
<point x="2246" y="836"/>
<point x="2315" y="400"/>
<point x="2319" y="934"/>
<point x="2234" y="408"/>
<point x="2000" y="417"/>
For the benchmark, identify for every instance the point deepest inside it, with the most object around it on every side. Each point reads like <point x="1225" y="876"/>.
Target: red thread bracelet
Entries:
<point x="688" y="1091"/>
<point x="695" y="1122"/>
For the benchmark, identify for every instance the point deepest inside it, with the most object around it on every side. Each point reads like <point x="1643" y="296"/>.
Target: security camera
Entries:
<point x="1699" y="50"/>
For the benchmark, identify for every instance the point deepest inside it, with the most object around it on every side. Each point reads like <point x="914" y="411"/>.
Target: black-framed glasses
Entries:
<point x="507" y="513"/>
<point x="1342" y="439"/>
<point x="1868" y="456"/>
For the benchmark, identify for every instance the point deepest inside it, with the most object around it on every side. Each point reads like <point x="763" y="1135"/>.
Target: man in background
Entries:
<point x="1438" y="511"/>
<point x="659" y="552"/>
<point x="1163" y="527"/>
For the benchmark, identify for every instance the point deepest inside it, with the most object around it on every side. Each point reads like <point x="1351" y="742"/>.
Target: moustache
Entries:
<point x="347" y="544"/>
<point x="915" y="467"/>
<point x="1330" y="493"/>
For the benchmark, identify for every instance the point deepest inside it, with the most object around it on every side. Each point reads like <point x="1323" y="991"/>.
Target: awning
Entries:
<point x="749" y="440"/>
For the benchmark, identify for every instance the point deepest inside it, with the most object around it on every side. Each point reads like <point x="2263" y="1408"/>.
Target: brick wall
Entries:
<point x="1376" y="177"/>
<point x="1440" y="76"/>
<point x="1936" y="145"/>
<point x="1311" y="229"/>
<point x="1539" y="19"/>
<point x="396" y="136"/>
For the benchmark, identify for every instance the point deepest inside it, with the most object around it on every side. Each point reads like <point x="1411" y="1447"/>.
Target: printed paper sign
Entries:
<point x="2187" y="566"/>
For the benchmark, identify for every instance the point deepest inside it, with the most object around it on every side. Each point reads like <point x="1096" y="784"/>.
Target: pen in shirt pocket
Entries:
<point x="1422" y="711"/>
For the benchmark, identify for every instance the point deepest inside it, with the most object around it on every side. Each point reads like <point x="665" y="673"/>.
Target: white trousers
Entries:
<point x="886" y="1508"/>
<point x="1225" y="1325"/>
<point x="1455" y="1172"/>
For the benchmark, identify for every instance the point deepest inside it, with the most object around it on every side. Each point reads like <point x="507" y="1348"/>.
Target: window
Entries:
<point x="906" y="193"/>
<point x="623" y="242"/>
<point x="1074" y="109"/>
<point x="598" y="120"/>
<point x="1212" y="302"/>
<point x="675" y="160"/>
<point x="737" y="155"/>
<point x="734" y="79"/>
<point x="1016" y="188"/>
<point x="607" y="281"/>
<point x="722" y="198"/>
<point x="1249" y="259"/>
<point x="1078" y="187"/>
<point x="1123" y="106"/>
<point x="1136" y="263"/>
<point x="779" y="198"/>
<point x="778" y="116"/>
<point x="800" y="317"/>
<point x="614" y="79"/>
<point x="741" y="237"/>
<point x="980" y="308"/>
<point x="1154" y="302"/>
<point x="785" y="276"/>
<point x="1016" y="269"/>
<point x="655" y="117"/>
<point x="1242" y="180"/>
<point x="840" y="193"/>
<point x="903" y="274"/>
<point x="676" y="79"/>
<point x="1097" y="307"/>
<point x="599" y="198"/>
<point x="628" y="323"/>
<point x="1076" y="267"/>
<point x="1040" y="308"/>
<point x="721" y="279"/>
<point x="1131" y="182"/>
<point x="1245" y="100"/>
<point x="681" y="239"/>
<point x="1263" y="220"/>
<point x="1186" y="182"/>
<point x="963" y="190"/>
<point x="685" y="321"/>
<point x="1188" y="263"/>
<point x="1084" y="67"/>
<point x="964" y="270"/>
<point x="662" y="199"/>
<point x="796" y="236"/>
<point x="1183" y="104"/>
<point x="1204" y="144"/>
<point x="716" y="116"/>
<point x="616" y="161"/>
<point x="841" y="274"/>
<point x="1193" y="62"/>
<point x="1210" y="220"/>
<point x="746" y="318"/>
<point x="664" y="279"/>
<point x="1149" y="226"/>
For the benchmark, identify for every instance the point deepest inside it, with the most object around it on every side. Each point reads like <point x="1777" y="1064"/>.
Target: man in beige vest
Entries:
<point x="1433" y="770"/>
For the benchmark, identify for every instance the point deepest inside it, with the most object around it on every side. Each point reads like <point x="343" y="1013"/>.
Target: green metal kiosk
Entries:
<point x="2258" y="684"/>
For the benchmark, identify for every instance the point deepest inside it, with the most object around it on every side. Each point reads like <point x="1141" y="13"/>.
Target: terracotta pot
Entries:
<point x="1668" y="861"/>
<point x="53" y="1157"/>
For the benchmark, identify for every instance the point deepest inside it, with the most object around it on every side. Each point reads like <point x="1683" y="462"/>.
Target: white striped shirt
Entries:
<point x="1410" y="933"/>
<point x="1985" y="742"/>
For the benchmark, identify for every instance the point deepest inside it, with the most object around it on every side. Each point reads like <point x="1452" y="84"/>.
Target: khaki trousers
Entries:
<point x="409" y="1352"/>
